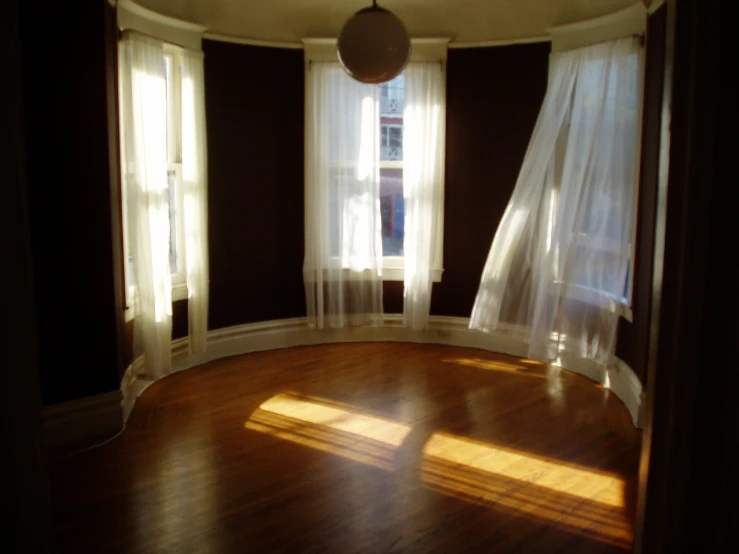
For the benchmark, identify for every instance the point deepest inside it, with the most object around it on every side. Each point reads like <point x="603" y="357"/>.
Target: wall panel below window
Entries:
<point x="254" y="107"/>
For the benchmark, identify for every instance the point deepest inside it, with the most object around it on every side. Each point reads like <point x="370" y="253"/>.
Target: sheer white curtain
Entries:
<point x="558" y="266"/>
<point x="195" y="183"/>
<point x="144" y="171"/>
<point x="423" y="184"/>
<point x="342" y="270"/>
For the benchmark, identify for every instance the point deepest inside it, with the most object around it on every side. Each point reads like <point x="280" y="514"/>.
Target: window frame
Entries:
<point x="174" y="164"/>
<point x="424" y="50"/>
<point x="393" y="267"/>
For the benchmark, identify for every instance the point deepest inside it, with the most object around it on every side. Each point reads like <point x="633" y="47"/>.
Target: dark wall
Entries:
<point x="633" y="338"/>
<point x="65" y="95"/>
<point x="254" y="107"/>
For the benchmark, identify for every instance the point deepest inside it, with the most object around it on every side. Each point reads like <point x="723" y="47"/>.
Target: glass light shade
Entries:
<point x="374" y="46"/>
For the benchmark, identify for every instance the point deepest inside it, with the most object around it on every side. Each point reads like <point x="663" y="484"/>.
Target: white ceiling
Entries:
<point x="463" y="20"/>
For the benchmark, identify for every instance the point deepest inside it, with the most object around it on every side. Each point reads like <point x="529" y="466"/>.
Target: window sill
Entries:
<point x="179" y="292"/>
<point x="594" y="297"/>
<point x="398" y="274"/>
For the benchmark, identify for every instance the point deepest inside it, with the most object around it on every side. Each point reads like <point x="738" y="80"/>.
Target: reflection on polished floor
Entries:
<point x="375" y="447"/>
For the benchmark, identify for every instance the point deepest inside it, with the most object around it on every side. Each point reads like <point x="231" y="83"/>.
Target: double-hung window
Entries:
<point x="374" y="187"/>
<point x="164" y="183"/>
<point x="171" y="60"/>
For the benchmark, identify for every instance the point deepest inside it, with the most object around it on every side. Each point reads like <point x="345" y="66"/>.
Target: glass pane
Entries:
<point x="168" y="79"/>
<point x="392" y="209"/>
<point x="391" y="141"/>
<point x="391" y="120"/>
<point x="391" y="97"/>
<point x="172" y="183"/>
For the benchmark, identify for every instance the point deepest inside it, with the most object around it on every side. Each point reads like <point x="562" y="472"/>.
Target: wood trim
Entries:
<point x="688" y="481"/>
<point x="114" y="176"/>
<point x="453" y="331"/>
<point x="84" y="419"/>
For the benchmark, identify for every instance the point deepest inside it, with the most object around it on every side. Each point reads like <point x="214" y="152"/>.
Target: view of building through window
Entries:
<point x="391" y="166"/>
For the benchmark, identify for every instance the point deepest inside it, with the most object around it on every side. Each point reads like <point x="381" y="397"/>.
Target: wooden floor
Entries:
<point x="358" y="448"/>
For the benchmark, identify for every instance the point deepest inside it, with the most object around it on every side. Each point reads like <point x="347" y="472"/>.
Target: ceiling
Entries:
<point x="463" y="20"/>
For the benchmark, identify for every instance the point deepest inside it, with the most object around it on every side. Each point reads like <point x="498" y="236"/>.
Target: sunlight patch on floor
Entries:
<point x="326" y="427"/>
<point x="528" y="370"/>
<point x="541" y="472"/>
<point x="579" y="500"/>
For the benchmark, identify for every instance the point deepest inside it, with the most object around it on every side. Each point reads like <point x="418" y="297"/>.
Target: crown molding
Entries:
<point x="253" y="41"/>
<point x="161" y="19"/>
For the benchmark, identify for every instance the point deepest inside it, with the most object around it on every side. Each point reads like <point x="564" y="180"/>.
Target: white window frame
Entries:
<point x="174" y="165"/>
<point x="390" y="126"/>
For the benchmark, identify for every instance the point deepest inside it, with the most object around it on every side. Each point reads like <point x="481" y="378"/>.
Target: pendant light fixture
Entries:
<point x="374" y="46"/>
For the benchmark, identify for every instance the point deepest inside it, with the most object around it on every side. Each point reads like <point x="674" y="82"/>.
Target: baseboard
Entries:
<point x="628" y="387"/>
<point x="452" y="331"/>
<point x="84" y="419"/>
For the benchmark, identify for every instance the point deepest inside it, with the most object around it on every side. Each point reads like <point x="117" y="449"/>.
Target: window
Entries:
<point x="172" y="61"/>
<point x="373" y="160"/>
<point x="392" y="202"/>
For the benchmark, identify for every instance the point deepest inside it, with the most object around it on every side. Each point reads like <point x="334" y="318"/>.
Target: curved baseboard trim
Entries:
<point x="84" y="419"/>
<point x="452" y="331"/>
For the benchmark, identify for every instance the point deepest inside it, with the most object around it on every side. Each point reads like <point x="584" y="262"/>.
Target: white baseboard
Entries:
<point x="453" y="331"/>
<point x="84" y="419"/>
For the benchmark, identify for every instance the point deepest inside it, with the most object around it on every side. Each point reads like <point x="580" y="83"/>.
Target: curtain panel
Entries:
<point x="424" y="122"/>
<point x="145" y="105"/>
<point x="559" y="263"/>
<point x="342" y="270"/>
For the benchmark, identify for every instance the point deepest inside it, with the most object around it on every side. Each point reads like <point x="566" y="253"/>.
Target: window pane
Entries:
<point x="391" y="141"/>
<point x="169" y="80"/>
<point x="172" y="184"/>
<point x="391" y="97"/>
<point x="391" y="120"/>
<point x="392" y="209"/>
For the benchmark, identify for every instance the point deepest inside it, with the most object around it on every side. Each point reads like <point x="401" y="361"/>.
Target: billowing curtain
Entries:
<point x="558" y="266"/>
<point x="342" y="269"/>
<point x="423" y="185"/>
<point x="144" y="171"/>
<point x="195" y="183"/>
